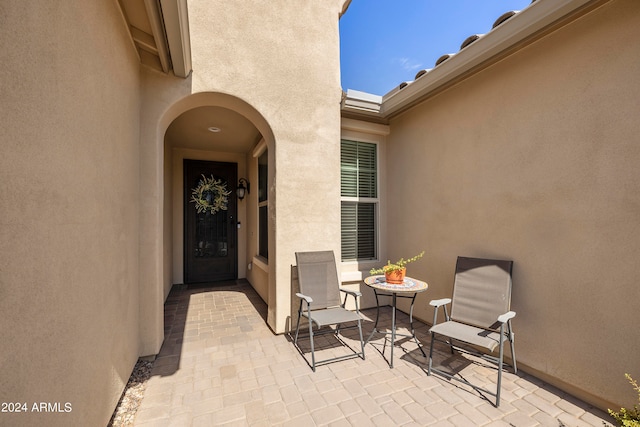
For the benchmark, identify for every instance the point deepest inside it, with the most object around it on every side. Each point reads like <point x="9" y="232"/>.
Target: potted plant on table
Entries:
<point x="395" y="272"/>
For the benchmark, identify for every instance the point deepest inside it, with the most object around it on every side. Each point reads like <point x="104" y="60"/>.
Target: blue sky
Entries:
<point x="386" y="42"/>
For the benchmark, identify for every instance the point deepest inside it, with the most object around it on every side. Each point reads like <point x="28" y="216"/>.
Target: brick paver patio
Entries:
<point x="221" y="365"/>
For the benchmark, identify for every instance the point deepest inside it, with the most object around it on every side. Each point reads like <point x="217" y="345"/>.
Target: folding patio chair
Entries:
<point x="480" y="314"/>
<point x="320" y="290"/>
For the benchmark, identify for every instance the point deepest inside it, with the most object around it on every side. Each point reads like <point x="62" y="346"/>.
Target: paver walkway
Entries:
<point x="221" y="365"/>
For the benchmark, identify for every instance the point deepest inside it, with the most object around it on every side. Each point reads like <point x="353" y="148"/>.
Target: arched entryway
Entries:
<point x="215" y="136"/>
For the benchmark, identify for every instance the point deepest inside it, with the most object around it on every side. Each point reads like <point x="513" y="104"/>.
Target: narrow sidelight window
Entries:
<point x="263" y="207"/>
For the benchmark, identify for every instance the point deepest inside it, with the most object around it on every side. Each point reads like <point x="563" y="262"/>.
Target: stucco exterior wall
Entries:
<point x="69" y="103"/>
<point x="279" y="67"/>
<point x="159" y="93"/>
<point x="284" y="61"/>
<point x="536" y="159"/>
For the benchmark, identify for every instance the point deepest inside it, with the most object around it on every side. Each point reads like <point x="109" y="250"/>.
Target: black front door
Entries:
<point x="210" y="232"/>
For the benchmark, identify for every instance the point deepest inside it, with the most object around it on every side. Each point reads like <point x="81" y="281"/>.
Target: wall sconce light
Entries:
<point x="242" y="189"/>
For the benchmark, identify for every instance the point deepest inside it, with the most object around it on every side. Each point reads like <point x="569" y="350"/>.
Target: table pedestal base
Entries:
<point x="393" y="332"/>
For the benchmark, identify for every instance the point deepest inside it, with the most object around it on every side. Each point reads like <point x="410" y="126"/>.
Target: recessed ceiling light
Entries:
<point x="213" y="129"/>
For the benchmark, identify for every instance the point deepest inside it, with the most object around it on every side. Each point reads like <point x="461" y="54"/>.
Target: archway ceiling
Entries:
<point x="190" y="130"/>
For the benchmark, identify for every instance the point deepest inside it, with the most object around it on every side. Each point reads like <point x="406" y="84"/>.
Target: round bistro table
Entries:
<point x="408" y="289"/>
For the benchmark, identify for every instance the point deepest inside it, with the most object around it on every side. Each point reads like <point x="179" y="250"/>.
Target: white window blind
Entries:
<point x="359" y="191"/>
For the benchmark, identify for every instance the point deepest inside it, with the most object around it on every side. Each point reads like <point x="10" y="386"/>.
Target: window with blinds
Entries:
<point x="263" y="206"/>
<point x="359" y="195"/>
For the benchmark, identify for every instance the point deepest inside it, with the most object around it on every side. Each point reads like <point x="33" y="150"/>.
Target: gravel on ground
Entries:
<point x="125" y="413"/>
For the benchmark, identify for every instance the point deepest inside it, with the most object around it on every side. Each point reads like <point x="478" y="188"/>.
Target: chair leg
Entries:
<point x="499" y="383"/>
<point x="313" y="355"/>
<point x="513" y="349"/>
<point x="433" y="335"/>
<point x="361" y="340"/>
<point x="500" y="359"/>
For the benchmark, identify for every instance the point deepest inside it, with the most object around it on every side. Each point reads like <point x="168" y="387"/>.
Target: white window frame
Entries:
<point x="259" y="260"/>
<point x="369" y="200"/>
<point x="356" y="130"/>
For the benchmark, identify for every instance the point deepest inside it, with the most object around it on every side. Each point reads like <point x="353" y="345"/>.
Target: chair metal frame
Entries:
<point x="485" y="327"/>
<point x="325" y="313"/>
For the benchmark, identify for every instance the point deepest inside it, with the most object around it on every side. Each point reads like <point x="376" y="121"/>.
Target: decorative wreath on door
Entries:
<point x="210" y="195"/>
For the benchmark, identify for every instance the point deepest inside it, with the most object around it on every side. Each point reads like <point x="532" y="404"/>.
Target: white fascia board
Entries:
<point x="363" y="96"/>
<point x="522" y="25"/>
<point x="176" y="23"/>
<point x="361" y="103"/>
<point x="159" y="36"/>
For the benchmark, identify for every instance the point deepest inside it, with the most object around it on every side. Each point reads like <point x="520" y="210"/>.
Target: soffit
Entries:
<point x="190" y="130"/>
<point x="148" y="40"/>
<point x="159" y="31"/>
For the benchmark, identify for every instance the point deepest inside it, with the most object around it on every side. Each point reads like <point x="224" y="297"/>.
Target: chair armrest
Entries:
<point x="503" y="318"/>
<point x="438" y="302"/>
<point x="309" y="300"/>
<point x="350" y="292"/>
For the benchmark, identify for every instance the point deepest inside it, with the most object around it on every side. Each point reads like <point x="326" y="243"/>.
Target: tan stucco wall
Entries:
<point x="536" y="159"/>
<point x="69" y="103"/>
<point x="279" y="67"/>
<point x="532" y="159"/>
<point x="283" y="61"/>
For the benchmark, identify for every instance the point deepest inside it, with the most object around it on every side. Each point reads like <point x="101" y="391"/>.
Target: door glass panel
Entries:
<point x="211" y="235"/>
<point x="210" y="197"/>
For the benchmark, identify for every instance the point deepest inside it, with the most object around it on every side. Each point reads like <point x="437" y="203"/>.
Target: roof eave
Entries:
<point x="176" y="23"/>
<point x="523" y="28"/>
<point x="361" y="105"/>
